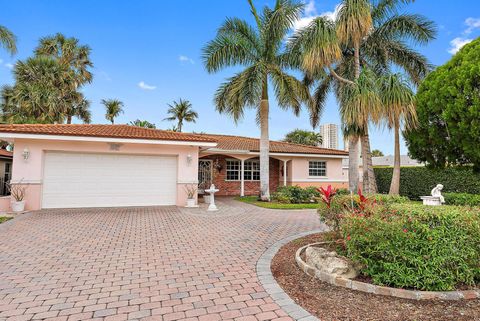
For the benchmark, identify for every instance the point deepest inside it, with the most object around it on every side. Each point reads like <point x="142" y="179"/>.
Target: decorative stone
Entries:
<point x="331" y="263"/>
<point x="436" y="197"/>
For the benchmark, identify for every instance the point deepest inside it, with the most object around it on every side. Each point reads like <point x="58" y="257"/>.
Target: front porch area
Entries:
<point x="239" y="175"/>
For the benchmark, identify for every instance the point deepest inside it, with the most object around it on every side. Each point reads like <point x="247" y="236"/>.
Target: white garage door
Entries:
<point x="108" y="180"/>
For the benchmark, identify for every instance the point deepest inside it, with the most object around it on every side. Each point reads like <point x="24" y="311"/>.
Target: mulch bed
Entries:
<point x="328" y="302"/>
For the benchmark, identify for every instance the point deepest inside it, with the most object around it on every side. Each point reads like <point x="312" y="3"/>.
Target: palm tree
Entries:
<point x="80" y="108"/>
<point x="259" y="49"/>
<point x="364" y="35"/>
<point x="181" y="111"/>
<point x="76" y="59"/>
<point x="113" y="107"/>
<point x="142" y="123"/>
<point x="38" y="92"/>
<point x="8" y="40"/>
<point x="398" y="99"/>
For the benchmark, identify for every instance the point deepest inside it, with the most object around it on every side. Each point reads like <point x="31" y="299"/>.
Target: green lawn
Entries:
<point x="4" y="219"/>
<point x="274" y="205"/>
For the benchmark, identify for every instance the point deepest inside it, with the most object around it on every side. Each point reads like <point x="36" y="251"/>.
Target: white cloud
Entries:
<point x="9" y="65"/>
<point x="332" y="15"/>
<point x="183" y="59"/>
<point x="310" y="8"/>
<point x="310" y="13"/>
<point x="472" y="24"/>
<point x="144" y="86"/>
<point x="457" y="43"/>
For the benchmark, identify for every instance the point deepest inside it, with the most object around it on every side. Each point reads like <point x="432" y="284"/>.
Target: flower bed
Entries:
<point x="406" y="245"/>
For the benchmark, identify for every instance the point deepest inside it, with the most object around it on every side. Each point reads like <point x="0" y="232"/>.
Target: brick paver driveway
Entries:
<point x="162" y="263"/>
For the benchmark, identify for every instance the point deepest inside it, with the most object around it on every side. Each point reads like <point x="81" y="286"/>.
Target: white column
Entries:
<point x="285" y="173"/>
<point x="242" y="178"/>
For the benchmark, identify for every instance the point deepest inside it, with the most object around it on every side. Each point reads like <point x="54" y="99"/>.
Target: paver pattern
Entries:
<point x="156" y="263"/>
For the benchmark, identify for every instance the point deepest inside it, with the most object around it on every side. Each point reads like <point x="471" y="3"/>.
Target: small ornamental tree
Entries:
<point x="448" y="109"/>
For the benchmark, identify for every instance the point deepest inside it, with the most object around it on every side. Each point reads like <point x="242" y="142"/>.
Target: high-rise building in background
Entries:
<point x="329" y="134"/>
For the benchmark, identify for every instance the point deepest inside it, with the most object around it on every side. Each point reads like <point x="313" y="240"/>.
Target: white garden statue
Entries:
<point x="437" y="192"/>
<point x="436" y="198"/>
<point x="212" y="190"/>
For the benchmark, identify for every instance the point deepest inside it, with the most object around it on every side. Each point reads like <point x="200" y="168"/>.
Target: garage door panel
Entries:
<point x="105" y="180"/>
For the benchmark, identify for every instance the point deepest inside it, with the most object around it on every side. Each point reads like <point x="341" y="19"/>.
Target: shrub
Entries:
<point x="419" y="181"/>
<point x="343" y="191"/>
<point x="462" y="199"/>
<point x="295" y="194"/>
<point x="413" y="246"/>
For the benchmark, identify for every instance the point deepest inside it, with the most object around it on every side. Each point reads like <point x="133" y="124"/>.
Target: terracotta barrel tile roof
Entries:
<point x="227" y="142"/>
<point x="110" y="131"/>
<point x="5" y="153"/>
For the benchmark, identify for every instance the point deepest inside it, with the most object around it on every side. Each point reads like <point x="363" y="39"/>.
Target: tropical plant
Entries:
<point x="304" y="137"/>
<point x="327" y="194"/>
<point x="38" y="93"/>
<point x="448" y="108"/>
<point x="18" y="191"/>
<point x="364" y="35"/>
<point x="181" y="111"/>
<point x="259" y="49"/>
<point x="399" y="108"/>
<point x="8" y="40"/>
<point x="75" y="58"/>
<point x="377" y="153"/>
<point x="142" y="123"/>
<point x="113" y="108"/>
<point x="191" y="190"/>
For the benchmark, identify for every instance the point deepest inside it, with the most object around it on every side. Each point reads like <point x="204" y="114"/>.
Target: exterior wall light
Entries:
<point x="26" y="154"/>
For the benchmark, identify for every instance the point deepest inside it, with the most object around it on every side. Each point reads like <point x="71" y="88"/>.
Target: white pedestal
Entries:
<point x="431" y="200"/>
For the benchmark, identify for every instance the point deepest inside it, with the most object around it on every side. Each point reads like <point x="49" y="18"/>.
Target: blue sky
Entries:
<point x="148" y="53"/>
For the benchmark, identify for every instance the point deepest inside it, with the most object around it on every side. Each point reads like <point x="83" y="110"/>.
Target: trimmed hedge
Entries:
<point x="462" y="199"/>
<point x="415" y="246"/>
<point x="419" y="181"/>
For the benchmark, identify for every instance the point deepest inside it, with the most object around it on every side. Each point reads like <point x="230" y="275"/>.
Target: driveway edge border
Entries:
<point x="271" y="286"/>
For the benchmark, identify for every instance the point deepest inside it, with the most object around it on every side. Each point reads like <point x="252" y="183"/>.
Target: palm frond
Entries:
<point x="240" y="91"/>
<point x="412" y="27"/>
<point x="8" y="40"/>
<point x="289" y="91"/>
<point x="226" y="51"/>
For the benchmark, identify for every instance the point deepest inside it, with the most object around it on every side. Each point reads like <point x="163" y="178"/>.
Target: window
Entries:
<point x="317" y="168"/>
<point x="251" y="170"/>
<point x="233" y="170"/>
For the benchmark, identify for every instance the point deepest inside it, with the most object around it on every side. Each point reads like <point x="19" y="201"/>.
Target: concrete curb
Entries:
<point x="271" y="286"/>
<point x="380" y="290"/>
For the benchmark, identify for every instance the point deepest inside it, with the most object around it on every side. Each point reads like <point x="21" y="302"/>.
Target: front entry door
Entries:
<point x="204" y="174"/>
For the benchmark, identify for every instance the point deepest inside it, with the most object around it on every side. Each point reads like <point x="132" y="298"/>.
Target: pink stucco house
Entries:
<point x="119" y="165"/>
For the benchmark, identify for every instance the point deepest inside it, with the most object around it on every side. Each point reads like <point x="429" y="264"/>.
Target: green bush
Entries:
<point x="419" y="181"/>
<point x="413" y="246"/>
<point x="295" y="194"/>
<point x="462" y="199"/>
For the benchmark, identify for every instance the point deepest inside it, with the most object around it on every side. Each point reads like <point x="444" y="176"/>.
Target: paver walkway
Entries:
<point x="157" y="263"/>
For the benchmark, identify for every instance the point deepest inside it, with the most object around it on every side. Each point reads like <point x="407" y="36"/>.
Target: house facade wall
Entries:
<point x="233" y="188"/>
<point x="30" y="172"/>
<point x="335" y="174"/>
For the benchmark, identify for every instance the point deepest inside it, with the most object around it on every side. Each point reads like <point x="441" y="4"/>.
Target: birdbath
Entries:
<point x="212" y="190"/>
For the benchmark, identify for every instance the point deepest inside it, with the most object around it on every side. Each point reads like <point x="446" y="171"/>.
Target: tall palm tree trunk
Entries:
<point x="370" y="185"/>
<point x="264" y="146"/>
<point x="69" y="119"/>
<point x="353" y="164"/>
<point x="353" y="176"/>
<point x="395" y="184"/>
<point x="179" y="126"/>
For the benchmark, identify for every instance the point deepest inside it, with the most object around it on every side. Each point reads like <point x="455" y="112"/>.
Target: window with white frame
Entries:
<point x="233" y="170"/>
<point x="251" y="170"/>
<point x="317" y="168"/>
